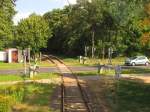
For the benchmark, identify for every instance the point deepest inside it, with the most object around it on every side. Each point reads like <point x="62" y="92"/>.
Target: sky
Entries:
<point x="26" y="7"/>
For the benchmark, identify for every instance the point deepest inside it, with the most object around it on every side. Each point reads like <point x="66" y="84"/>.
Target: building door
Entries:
<point x="14" y="56"/>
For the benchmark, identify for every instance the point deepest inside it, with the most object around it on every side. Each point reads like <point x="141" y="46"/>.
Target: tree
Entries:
<point x="97" y="24"/>
<point x="127" y="15"/>
<point x="6" y="24"/>
<point x="57" y="20"/>
<point x="32" y="32"/>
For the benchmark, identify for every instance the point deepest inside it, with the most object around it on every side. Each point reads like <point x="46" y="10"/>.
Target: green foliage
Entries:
<point x="5" y="103"/>
<point x="112" y="21"/>
<point x="127" y="95"/>
<point x="6" y="24"/>
<point x="13" y="77"/>
<point x="57" y="21"/>
<point x="33" y="96"/>
<point x="134" y="93"/>
<point x="16" y="92"/>
<point x="32" y="32"/>
<point x="100" y="23"/>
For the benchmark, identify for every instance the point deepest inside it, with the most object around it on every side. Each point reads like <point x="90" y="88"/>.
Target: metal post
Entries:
<point x="110" y="56"/>
<point x="40" y="57"/>
<point x="29" y="55"/>
<point x="25" y="61"/>
<point x="25" y="67"/>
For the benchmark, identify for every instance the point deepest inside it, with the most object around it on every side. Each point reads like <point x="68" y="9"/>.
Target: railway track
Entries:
<point x="74" y="97"/>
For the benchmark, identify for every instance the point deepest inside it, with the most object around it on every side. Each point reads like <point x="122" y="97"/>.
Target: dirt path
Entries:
<point x="145" y="78"/>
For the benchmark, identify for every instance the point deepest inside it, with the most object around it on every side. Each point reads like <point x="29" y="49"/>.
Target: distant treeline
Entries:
<point x="89" y="28"/>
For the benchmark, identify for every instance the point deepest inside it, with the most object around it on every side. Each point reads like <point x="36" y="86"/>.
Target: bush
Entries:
<point x="16" y="92"/>
<point x="10" y="96"/>
<point x="5" y="103"/>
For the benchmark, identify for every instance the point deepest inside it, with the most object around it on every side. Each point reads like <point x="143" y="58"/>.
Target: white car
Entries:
<point x="137" y="60"/>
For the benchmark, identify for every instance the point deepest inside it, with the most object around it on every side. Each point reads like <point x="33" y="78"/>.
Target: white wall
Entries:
<point x="3" y="56"/>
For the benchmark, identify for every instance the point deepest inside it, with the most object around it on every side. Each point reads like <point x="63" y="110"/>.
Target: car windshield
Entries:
<point x="132" y="58"/>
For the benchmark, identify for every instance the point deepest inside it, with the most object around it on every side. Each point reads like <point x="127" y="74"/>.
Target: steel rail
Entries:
<point x="82" y="91"/>
<point x="62" y="82"/>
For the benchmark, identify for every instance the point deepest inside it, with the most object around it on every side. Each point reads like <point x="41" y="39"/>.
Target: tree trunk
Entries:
<point x="93" y="44"/>
<point x="85" y="51"/>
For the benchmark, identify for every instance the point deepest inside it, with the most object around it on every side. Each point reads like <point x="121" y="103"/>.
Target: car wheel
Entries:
<point x="133" y="64"/>
<point x="146" y="64"/>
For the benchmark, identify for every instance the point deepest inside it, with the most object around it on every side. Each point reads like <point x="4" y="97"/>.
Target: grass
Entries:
<point x="67" y="61"/>
<point x="86" y="73"/>
<point x="6" y="66"/>
<point x="111" y="72"/>
<point x="92" y="62"/>
<point x="35" y="97"/>
<point x="45" y="64"/>
<point x="75" y="62"/>
<point x="72" y="61"/>
<point x="47" y="75"/>
<point x="5" y="78"/>
<point x="136" y="71"/>
<point x="131" y="96"/>
<point x="122" y="95"/>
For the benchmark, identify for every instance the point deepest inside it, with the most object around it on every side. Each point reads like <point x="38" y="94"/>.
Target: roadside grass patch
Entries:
<point x="92" y="62"/>
<point x="93" y="73"/>
<point x="107" y="72"/>
<point x="131" y="96"/>
<point x="6" y="66"/>
<point x="72" y="62"/>
<point x="136" y="71"/>
<point x="6" y="77"/>
<point x="46" y="76"/>
<point x="45" y="64"/>
<point x="30" y="97"/>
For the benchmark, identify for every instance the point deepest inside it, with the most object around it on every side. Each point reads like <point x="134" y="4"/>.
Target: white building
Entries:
<point x="11" y="55"/>
<point x="3" y="56"/>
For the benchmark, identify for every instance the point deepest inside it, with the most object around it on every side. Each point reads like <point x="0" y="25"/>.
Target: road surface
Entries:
<point x="73" y="68"/>
<point x="50" y="69"/>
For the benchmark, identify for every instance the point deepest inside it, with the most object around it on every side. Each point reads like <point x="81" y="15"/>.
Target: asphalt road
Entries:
<point x="49" y="69"/>
<point x="73" y="68"/>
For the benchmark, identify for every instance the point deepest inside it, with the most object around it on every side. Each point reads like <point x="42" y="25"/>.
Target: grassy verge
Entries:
<point x="67" y="61"/>
<point x="109" y="72"/>
<point x="6" y="66"/>
<point x="131" y="96"/>
<point x="93" y="73"/>
<point x="121" y="96"/>
<point x="31" y="97"/>
<point x="92" y="62"/>
<point x="5" y="78"/>
<point x="136" y="71"/>
<point x="46" y="64"/>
